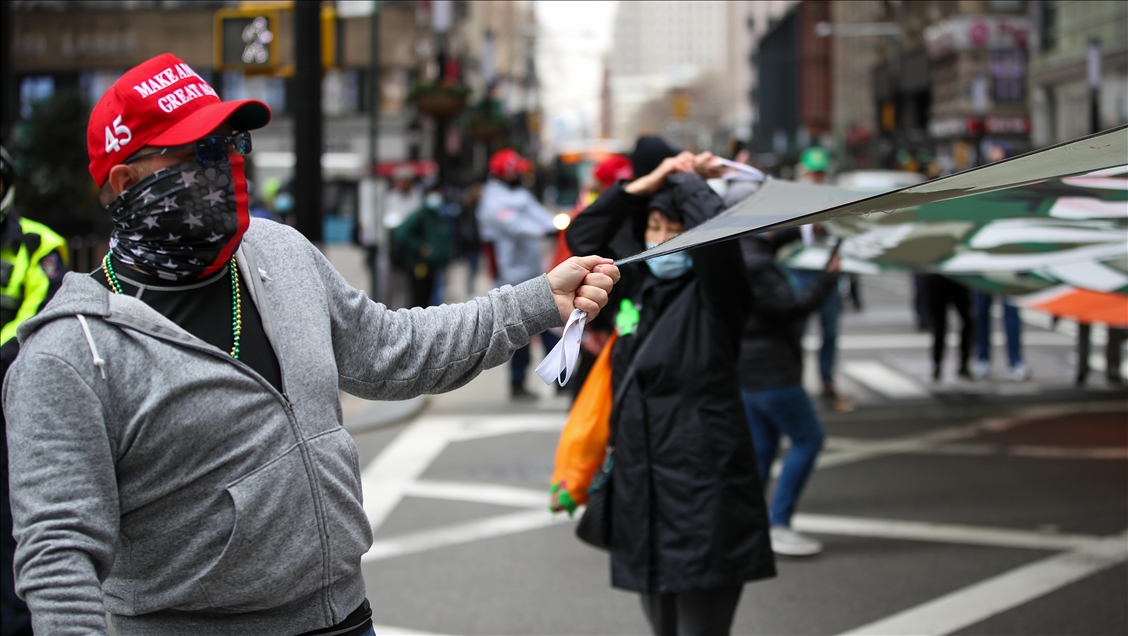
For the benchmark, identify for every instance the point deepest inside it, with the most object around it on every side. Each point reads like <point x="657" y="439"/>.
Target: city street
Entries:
<point x="978" y="508"/>
<point x="178" y="181"/>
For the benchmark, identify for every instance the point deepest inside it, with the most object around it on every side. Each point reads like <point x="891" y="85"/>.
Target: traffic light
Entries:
<point x="679" y="108"/>
<point x="246" y="39"/>
<point x="330" y="53"/>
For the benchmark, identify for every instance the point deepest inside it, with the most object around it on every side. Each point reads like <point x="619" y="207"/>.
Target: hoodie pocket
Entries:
<point x="348" y="531"/>
<point x="274" y="554"/>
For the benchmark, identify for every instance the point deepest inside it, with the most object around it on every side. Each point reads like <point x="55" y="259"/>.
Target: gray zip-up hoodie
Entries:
<point x="157" y="478"/>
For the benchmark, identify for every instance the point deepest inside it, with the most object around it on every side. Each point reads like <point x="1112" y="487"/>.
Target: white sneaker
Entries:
<point x="790" y="543"/>
<point x="1020" y="372"/>
<point x="980" y="369"/>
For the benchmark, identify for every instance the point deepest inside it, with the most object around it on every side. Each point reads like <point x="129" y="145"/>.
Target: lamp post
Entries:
<point x="441" y="17"/>
<point x="980" y="103"/>
<point x="1094" y="76"/>
<point x="307" y="119"/>
<point x="7" y="85"/>
<point x="371" y="195"/>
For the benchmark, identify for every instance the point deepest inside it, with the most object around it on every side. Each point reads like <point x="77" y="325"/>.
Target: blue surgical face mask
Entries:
<point x="670" y="266"/>
<point x="433" y="201"/>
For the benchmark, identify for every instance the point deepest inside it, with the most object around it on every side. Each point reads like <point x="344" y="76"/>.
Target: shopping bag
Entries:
<point x="583" y="442"/>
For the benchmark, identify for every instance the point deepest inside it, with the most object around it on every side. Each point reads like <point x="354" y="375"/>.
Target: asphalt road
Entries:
<point x="992" y="507"/>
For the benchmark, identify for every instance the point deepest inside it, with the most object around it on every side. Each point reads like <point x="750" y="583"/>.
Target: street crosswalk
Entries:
<point x="397" y="473"/>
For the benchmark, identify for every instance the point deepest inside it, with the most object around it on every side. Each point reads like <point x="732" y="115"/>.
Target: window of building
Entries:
<point x="93" y="84"/>
<point x="35" y="89"/>
<point x="1051" y="25"/>
<point x="269" y="90"/>
<point x="1008" y="6"/>
<point x="341" y="92"/>
<point x="233" y="86"/>
<point x="1008" y="76"/>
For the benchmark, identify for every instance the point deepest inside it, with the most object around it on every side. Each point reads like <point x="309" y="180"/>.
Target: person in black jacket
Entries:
<point x="771" y="374"/>
<point x="688" y="521"/>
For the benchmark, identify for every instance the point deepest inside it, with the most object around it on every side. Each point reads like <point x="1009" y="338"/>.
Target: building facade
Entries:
<point x="659" y="46"/>
<point x="1059" y="79"/>
<point x="793" y="92"/>
<point x="854" y="54"/>
<point x="977" y="53"/>
<point x="86" y="46"/>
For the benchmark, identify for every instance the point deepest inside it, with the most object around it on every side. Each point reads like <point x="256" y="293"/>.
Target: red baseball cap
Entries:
<point x="161" y="102"/>
<point x="506" y="162"/>
<point x="612" y="169"/>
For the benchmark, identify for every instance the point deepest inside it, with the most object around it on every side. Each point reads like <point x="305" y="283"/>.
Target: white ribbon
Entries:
<point x="746" y="169"/>
<point x="558" y="365"/>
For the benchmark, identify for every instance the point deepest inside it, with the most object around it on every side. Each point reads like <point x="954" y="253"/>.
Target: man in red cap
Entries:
<point x="177" y="455"/>
<point x="512" y="220"/>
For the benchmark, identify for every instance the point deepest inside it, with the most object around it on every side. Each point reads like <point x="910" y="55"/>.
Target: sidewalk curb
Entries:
<point x="953" y="406"/>
<point x="384" y="414"/>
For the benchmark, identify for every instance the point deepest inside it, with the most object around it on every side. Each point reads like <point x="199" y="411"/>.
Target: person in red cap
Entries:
<point x="607" y="173"/>
<point x="514" y="223"/>
<point x="177" y="454"/>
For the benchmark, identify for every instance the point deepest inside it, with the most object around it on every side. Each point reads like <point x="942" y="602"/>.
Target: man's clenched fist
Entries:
<point x="582" y="282"/>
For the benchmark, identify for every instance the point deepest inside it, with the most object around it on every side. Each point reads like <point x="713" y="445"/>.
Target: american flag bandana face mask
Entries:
<point x="182" y="222"/>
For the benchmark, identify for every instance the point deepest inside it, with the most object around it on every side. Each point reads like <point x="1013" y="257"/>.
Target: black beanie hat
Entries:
<point x="648" y="154"/>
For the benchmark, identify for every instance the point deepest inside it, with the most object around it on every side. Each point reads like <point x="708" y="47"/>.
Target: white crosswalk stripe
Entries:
<point x="882" y="379"/>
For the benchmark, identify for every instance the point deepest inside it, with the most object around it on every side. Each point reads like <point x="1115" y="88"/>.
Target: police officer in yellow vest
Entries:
<point x="32" y="262"/>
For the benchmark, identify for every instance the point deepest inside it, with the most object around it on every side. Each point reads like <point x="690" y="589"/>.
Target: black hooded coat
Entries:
<point x="687" y="505"/>
<point x="771" y="352"/>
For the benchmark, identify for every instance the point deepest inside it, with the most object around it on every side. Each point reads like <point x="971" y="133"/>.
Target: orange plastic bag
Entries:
<point x="584" y="439"/>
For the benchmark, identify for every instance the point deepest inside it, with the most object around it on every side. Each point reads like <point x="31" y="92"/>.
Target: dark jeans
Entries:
<point x="372" y="262"/>
<point x="1011" y="325"/>
<point x="520" y="362"/>
<point x="784" y="411"/>
<point x="472" y="262"/>
<point x="1113" y="356"/>
<point x="438" y="285"/>
<point x="700" y="613"/>
<point x="422" y="290"/>
<point x="941" y="293"/>
<point x="829" y="314"/>
<point x="920" y="302"/>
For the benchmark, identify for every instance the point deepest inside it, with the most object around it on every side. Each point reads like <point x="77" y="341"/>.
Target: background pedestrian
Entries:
<point x="515" y="224"/>
<point x="424" y="240"/>
<point x="32" y="263"/>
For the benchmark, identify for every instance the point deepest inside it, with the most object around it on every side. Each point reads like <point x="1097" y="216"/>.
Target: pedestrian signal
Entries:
<point x="680" y="106"/>
<point x="246" y="40"/>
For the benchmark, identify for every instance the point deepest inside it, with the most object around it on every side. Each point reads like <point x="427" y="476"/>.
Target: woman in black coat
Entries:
<point x="688" y="520"/>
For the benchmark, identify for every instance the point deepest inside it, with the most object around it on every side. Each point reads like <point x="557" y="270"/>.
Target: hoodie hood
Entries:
<point x="79" y="295"/>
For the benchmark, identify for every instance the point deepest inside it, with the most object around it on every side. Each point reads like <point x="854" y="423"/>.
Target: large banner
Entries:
<point x="1059" y="246"/>
<point x="779" y="204"/>
<point x="1048" y="228"/>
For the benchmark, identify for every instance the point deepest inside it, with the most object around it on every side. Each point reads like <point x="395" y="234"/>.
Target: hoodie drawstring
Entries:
<point x="98" y="360"/>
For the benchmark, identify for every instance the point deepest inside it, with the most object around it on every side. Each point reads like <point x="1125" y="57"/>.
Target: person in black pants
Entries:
<point x="688" y="522"/>
<point x="943" y="291"/>
<point x="1116" y="338"/>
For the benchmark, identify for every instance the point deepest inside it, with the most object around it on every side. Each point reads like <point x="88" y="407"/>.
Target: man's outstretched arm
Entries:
<point x="395" y="355"/>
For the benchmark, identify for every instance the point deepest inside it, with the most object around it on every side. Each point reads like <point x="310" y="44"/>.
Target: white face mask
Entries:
<point x="670" y="266"/>
<point x="433" y="200"/>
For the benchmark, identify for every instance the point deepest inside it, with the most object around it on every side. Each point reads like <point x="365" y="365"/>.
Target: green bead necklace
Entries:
<point x="236" y="302"/>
